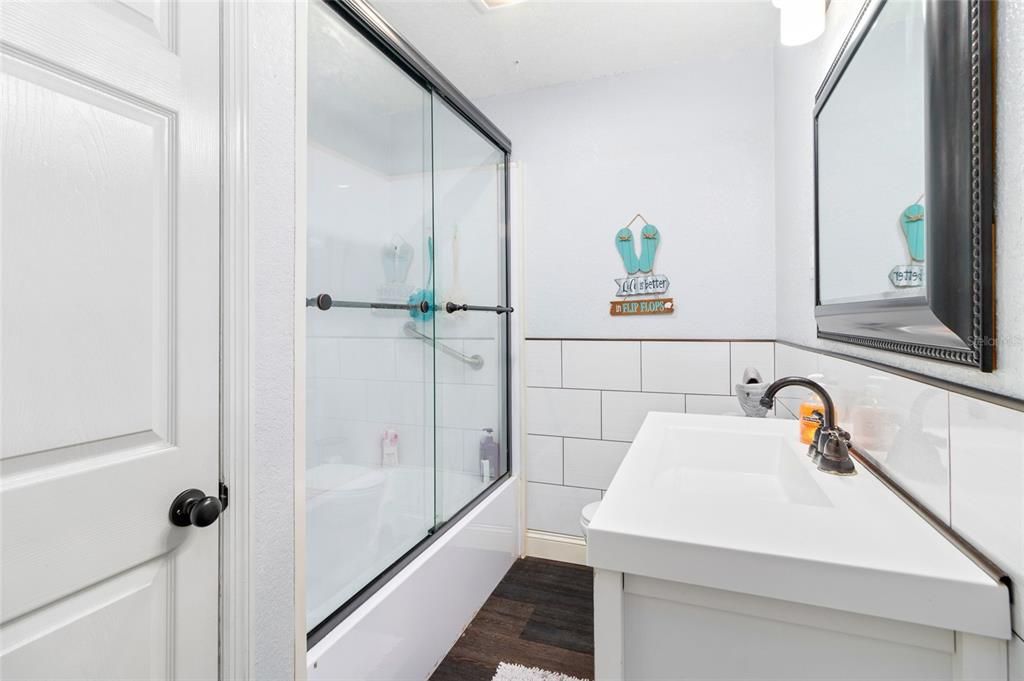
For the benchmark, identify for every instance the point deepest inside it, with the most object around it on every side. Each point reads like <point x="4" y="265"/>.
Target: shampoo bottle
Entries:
<point x="490" y="454"/>
<point x="389" y="448"/>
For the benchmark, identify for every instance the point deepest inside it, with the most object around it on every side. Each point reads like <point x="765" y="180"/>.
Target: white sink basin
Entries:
<point x="735" y="503"/>
<point x="758" y="467"/>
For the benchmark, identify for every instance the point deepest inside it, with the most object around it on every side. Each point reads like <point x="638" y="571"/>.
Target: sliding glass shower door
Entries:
<point x="469" y="228"/>
<point x="369" y="377"/>
<point x="407" y="324"/>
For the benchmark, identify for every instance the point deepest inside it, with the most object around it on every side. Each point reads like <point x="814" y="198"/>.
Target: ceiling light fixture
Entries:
<point x="800" y="21"/>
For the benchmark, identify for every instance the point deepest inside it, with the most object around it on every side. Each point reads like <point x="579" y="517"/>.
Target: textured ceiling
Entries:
<point x="546" y="42"/>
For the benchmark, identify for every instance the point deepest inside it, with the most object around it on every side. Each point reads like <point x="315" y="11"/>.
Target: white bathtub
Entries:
<point x="361" y="519"/>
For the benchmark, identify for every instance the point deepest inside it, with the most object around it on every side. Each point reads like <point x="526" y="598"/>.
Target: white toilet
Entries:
<point x="587" y="514"/>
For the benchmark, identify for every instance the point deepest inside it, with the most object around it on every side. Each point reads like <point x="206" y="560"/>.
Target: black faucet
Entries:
<point x="831" y="446"/>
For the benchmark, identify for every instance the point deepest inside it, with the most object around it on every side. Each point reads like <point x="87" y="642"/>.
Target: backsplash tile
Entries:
<point x="592" y="463"/>
<point x="553" y="508"/>
<point x="725" y="405"/>
<point x="790" y="361"/>
<point x="570" y="413"/>
<point x="609" y="365"/>
<point x="623" y="413"/>
<point x="987" y="458"/>
<point x="543" y="363"/>
<point x="961" y="457"/>
<point x="544" y="459"/>
<point x="686" y="367"/>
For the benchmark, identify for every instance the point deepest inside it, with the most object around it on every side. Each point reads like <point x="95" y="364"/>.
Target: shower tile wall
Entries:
<point x="386" y="389"/>
<point x="586" y="400"/>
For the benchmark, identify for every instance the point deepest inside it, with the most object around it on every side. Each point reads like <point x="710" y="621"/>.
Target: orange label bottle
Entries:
<point x="811" y="416"/>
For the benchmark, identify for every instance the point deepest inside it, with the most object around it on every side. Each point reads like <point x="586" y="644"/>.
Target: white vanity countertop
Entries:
<point x="735" y="503"/>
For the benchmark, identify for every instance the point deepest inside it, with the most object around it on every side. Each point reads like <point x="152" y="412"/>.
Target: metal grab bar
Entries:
<point x="500" y="309"/>
<point x="325" y="302"/>
<point x="475" y="362"/>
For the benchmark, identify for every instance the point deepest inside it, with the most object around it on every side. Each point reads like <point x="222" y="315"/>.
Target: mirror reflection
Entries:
<point x="871" y="166"/>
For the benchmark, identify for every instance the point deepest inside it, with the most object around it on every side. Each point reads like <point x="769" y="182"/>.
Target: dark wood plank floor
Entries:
<point x="540" y="615"/>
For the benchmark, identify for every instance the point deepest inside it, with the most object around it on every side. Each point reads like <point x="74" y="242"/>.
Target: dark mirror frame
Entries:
<point x="955" y="320"/>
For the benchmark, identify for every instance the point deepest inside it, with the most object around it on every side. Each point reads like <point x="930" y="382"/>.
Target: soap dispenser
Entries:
<point x="811" y="413"/>
<point x="490" y="454"/>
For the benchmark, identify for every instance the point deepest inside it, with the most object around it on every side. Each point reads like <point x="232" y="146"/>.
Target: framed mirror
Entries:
<point x="903" y="146"/>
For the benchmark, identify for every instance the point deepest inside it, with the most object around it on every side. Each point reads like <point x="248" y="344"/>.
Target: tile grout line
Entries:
<point x="561" y="446"/>
<point x="731" y="388"/>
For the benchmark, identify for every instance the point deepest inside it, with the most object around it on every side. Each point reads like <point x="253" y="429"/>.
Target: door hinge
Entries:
<point x="223" y="494"/>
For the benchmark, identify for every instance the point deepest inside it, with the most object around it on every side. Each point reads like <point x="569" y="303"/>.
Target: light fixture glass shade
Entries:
<point x="498" y="4"/>
<point x="801" y="21"/>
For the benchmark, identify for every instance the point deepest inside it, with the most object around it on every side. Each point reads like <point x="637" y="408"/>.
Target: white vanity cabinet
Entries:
<point x="721" y="553"/>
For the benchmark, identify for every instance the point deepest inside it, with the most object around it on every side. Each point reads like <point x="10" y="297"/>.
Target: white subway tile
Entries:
<point x="787" y="407"/>
<point x="904" y="424"/>
<point x="335" y="398"/>
<point x="685" y="367"/>
<point x="397" y="402"/>
<point x="572" y="413"/>
<point x="553" y="508"/>
<point x="470" y="407"/>
<point x="448" y="369"/>
<point x="543" y="364"/>
<point x="987" y="450"/>
<point x="760" y="356"/>
<point x="488" y="373"/>
<point x="322" y="361"/>
<point x="612" y="365"/>
<point x="544" y="459"/>
<point x="623" y="413"/>
<point x="450" y="447"/>
<point x="790" y="361"/>
<point x="724" y="405"/>
<point x="414" y="360"/>
<point x="365" y="358"/>
<point x="592" y="463"/>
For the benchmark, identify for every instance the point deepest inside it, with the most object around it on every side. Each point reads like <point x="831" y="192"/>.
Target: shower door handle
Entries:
<point x="325" y="302"/>
<point x="451" y="307"/>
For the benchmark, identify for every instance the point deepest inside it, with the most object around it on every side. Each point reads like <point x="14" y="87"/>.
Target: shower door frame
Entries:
<point x="380" y="34"/>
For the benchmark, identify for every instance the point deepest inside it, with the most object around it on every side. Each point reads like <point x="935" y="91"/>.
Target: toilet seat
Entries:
<point x="587" y="514"/>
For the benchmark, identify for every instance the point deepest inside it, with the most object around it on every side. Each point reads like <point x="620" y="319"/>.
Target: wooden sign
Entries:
<point x="629" y="308"/>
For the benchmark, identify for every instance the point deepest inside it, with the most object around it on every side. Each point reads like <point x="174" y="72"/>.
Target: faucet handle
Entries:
<point x="835" y="453"/>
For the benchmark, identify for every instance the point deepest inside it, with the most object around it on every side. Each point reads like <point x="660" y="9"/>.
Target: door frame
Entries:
<point x="235" y="415"/>
<point x="262" y="113"/>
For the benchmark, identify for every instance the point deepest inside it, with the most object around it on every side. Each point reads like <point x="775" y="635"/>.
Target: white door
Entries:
<point x="109" y="267"/>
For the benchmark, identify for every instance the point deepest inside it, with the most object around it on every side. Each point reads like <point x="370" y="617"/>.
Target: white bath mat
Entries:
<point x="517" y="672"/>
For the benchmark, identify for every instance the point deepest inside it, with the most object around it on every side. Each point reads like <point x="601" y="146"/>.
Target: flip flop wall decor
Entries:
<point x="649" y="240"/>
<point x="627" y="251"/>
<point x="912" y="222"/>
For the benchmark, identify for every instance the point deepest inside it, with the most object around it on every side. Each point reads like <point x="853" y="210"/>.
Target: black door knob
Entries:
<point x="193" y="507"/>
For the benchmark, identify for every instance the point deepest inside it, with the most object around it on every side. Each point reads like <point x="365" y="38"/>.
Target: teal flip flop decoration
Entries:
<point x="649" y="240"/>
<point x="425" y="294"/>
<point x="624" y="244"/>
<point x="912" y="222"/>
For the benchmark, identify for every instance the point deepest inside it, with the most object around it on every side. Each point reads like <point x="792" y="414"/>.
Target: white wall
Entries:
<point x="690" y="147"/>
<point x="798" y="73"/>
<point x="271" y="191"/>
